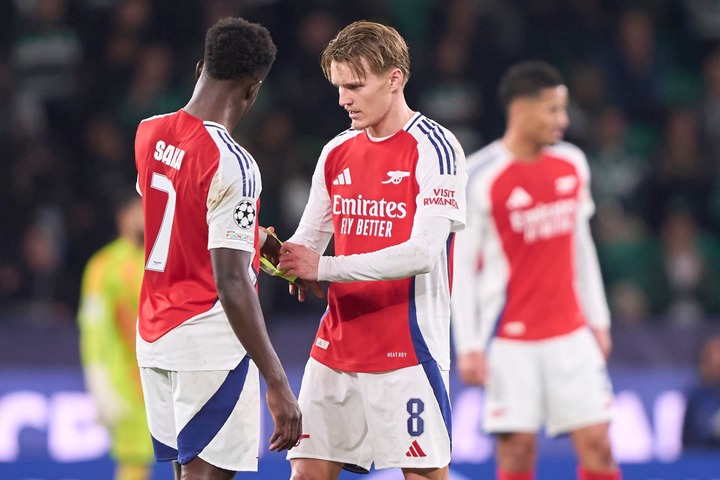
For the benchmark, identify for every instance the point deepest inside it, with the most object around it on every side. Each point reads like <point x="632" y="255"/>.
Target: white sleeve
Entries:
<point x="316" y="227"/>
<point x="465" y="318"/>
<point x="589" y="284"/>
<point x="415" y="256"/>
<point x="442" y="176"/>
<point x="588" y="281"/>
<point x="232" y="203"/>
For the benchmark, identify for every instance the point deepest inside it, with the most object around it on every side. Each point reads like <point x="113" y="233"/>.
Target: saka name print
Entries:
<point x="170" y="155"/>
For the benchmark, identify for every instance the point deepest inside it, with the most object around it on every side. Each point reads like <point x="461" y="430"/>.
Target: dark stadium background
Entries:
<point x="76" y="76"/>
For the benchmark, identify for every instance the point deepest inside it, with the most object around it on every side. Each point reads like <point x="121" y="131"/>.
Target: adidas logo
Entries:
<point x="415" y="450"/>
<point x="343" y="178"/>
<point x="518" y="198"/>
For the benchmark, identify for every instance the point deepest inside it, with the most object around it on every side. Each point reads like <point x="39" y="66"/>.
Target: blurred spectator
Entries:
<point x="304" y="89"/>
<point x="588" y="97"/>
<point x="701" y="427"/>
<point x="47" y="55"/>
<point x="681" y="174"/>
<point x="710" y="107"/>
<point x="283" y="161"/>
<point x="452" y="98"/>
<point x="674" y="277"/>
<point x="691" y="268"/>
<point x="631" y="263"/>
<point x="635" y="67"/>
<point x="122" y="43"/>
<point x="704" y="16"/>
<point x="151" y="88"/>
<point x="108" y="156"/>
<point x="46" y="294"/>
<point x="615" y="172"/>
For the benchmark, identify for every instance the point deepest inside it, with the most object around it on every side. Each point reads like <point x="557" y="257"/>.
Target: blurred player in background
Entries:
<point x="701" y="423"/>
<point x="391" y="191"/>
<point x="530" y="318"/>
<point x="201" y="333"/>
<point x="107" y="318"/>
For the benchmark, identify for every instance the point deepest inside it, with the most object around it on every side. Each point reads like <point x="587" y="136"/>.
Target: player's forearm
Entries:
<point x="414" y="257"/>
<point x="464" y="318"/>
<point x="589" y="282"/>
<point x="469" y="334"/>
<point x="240" y="301"/>
<point x="464" y="296"/>
<point x="242" y="308"/>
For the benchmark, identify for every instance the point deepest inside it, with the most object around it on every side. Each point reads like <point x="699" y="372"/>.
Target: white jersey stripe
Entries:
<point x="443" y="155"/>
<point x="418" y="116"/>
<point x="247" y="173"/>
<point x="252" y="180"/>
<point x="432" y="134"/>
<point x="438" y="129"/>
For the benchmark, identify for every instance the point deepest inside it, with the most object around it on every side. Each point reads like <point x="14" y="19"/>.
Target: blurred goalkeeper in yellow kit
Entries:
<point x="107" y="317"/>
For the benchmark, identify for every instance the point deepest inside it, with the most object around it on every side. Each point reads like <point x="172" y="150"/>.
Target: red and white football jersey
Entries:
<point x="369" y="192"/>
<point x="200" y="191"/>
<point x="529" y="268"/>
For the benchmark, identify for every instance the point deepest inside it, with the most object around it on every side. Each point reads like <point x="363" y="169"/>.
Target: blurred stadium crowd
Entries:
<point x="76" y="76"/>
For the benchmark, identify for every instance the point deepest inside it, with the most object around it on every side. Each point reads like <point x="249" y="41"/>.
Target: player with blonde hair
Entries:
<point x="391" y="192"/>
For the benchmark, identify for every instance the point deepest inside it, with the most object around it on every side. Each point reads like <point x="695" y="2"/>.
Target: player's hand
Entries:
<point x="472" y="368"/>
<point x="110" y="406"/>
<point x="300" y="261"/>
<point x="300" y="287"/>
<point x="271" y="246"/>
<point x="604" y="340"/>
<point x="286" y="416"/>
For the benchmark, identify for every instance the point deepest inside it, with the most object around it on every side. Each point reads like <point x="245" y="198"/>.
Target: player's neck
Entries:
<point x="211" y="104"/>
<point x="393" y="121"/>
<point x="520" y="148"/>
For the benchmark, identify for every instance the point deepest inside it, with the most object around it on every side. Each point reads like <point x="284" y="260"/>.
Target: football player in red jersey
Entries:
<point x="201" y="333"/>
<point x="390" y="190"/>
<point x="530" y="317"/>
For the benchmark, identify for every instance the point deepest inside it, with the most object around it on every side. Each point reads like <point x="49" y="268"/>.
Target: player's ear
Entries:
<point x="517" y="108"/>
<point x="396" y="79"/>
<point x="253" y="90"/>
<point x="198" y="68"/>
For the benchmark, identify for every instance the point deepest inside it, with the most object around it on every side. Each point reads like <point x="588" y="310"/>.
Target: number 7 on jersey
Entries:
<point x="159" y="253"/>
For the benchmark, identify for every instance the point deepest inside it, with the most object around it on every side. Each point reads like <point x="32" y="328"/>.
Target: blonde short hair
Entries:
<point x="382" y="47"/>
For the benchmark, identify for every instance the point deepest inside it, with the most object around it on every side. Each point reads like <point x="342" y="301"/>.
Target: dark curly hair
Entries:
<point x="236" y="48"/>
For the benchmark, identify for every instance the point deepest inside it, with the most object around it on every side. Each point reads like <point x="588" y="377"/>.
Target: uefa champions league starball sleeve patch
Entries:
<point x="244" y="214"/>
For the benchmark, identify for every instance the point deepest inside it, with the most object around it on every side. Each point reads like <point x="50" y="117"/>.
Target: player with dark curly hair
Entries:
<point x="233" y="52"/>
<point x="201" y="333"/>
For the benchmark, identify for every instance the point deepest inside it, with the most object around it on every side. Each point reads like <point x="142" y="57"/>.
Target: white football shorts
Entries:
<point x="396" y="419"/>
<point x="214" y="415"/>
<point x="561" y="382"/>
